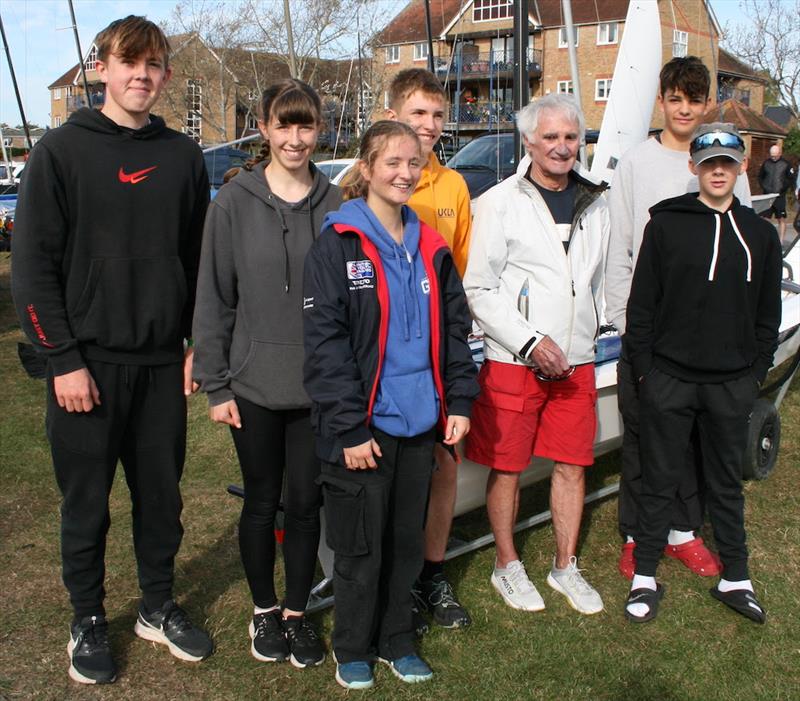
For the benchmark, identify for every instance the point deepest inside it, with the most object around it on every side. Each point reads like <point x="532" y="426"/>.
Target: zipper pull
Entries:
<point x="572" y="282"/>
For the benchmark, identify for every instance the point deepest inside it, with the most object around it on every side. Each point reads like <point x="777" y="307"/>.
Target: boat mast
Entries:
<point x="521" y="81"/>
<point x="16" y="87"/>
<point x="429" y="33"/>
<point x="566" y="6"/>
<point x="80" y="55"/>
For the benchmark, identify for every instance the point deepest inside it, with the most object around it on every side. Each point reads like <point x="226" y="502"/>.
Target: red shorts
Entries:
<point x="517" y="415"/>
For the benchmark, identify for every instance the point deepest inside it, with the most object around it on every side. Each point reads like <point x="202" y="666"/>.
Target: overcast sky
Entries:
<point x="42" y="44"/>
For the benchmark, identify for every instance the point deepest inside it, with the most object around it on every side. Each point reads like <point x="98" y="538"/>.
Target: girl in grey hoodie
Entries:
<point x="248" y="336"/>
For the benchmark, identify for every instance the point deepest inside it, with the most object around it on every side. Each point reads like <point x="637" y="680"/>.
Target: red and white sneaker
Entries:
<point x="627" y="563"/>
<point x="697" y="557"/>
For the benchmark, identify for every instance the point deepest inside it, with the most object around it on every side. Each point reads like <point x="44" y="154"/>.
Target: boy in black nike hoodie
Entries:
<point x="702" y="329"/>
<point x="106" y="250"/>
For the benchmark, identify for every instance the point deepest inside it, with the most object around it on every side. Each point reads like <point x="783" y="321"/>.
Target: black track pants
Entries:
<point x="267" y="442"/>
<point x="686" y="513"/>
<point x="141" y="422"/>
<point x="374" y="524"/>
<point x="669" y="409"/>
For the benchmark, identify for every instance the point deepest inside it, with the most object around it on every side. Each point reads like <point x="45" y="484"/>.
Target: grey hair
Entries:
<point x="564" y="103"/>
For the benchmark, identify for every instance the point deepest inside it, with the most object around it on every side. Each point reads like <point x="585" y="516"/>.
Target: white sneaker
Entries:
<point x="580" y="594"/>
<point x="517" y="590"/>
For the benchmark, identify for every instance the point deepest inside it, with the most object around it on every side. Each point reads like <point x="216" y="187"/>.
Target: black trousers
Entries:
<point x="669" y="409"/>
<point x="141" y="422"/>
<point x="686" y="513"/>
<point x="374" y="525"/>
<point x="267" y="441"/>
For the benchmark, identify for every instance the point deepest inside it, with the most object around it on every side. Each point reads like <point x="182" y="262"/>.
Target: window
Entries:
<point x="252" y="94"/>
<point x="252" y="121"/>
<point x="386" y="99"/>
<point x="487" y="10"/>
<point x="562" y="37"/>
<point x="680" y="43"/>
<point x="70" y="90"/>
<point x="56" y="93"/>
<point x="421" y="51"/>
<point x="57" y="121"/>
<point x="194" y="109"/>
<point x="564" y="86"/>
<point x="607" y="33"/>
<point x="502" y="49"/>
<point x="393" y="54"/>
<point x="91" y="60"/>
<point x="602" y="89"/>
<point x="7" y="141"/>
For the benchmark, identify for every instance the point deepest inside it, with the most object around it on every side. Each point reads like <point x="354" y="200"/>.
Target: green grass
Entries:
<point x="695" y="651"/>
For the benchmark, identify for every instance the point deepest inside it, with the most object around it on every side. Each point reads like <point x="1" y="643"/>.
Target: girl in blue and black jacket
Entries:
<point x="388" y="370"/>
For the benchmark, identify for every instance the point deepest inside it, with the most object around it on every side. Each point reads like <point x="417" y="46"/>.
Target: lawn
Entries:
<point x="695" y="651"/>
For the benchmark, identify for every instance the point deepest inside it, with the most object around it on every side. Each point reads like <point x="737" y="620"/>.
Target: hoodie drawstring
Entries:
<point x="713" y="268"/>
<point x="744" y="245"/>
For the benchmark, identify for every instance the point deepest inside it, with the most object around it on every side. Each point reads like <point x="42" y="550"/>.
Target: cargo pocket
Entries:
<point x="345" y="507"/>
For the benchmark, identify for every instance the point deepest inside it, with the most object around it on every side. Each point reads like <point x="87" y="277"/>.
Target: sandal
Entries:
<point x="649" y="597"/>
<point x="742" y="601"/>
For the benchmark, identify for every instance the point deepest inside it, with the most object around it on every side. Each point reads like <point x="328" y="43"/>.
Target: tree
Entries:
<point x="770" y="42"/>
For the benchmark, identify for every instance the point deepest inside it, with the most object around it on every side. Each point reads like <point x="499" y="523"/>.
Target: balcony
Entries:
<point x="482" y="65"/>
<point x="482" y="114"/>
<point x="726" y="92"/>
<point x="75" y="102"/>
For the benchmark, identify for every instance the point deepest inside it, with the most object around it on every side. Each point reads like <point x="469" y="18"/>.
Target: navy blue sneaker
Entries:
<point x="354" y="675"/>
<point x="410" y="669"/>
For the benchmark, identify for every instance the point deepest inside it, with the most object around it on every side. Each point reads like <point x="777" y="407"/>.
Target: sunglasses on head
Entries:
<point x="721" y="138"/>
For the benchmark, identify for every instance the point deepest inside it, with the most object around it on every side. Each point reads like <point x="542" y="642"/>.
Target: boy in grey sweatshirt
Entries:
<point x="648" y="173"/>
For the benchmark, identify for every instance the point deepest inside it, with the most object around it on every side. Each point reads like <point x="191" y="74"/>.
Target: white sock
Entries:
<point x="258" y="609"/>
<point x="725" y="585"/>
<point x="679" y="537"/>
<point x="640" y="581"/>
<point x="629" y="539"/>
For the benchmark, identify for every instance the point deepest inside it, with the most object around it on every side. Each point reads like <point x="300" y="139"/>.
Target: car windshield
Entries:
<point x="332" y="169"/>
<point x="483" y="153"/>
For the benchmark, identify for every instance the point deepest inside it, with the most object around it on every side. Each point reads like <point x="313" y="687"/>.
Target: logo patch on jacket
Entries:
<point x="445" y="212"/>
<point x="136" y="177"/>
<point x="359" y="269"/>
<point x="425" y="284"/>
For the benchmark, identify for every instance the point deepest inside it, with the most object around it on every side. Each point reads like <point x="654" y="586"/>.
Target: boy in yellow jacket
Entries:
<point x="442" y="201"/>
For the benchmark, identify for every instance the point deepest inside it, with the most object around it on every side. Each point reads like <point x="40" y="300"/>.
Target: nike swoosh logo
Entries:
<point x="136" y="177"/>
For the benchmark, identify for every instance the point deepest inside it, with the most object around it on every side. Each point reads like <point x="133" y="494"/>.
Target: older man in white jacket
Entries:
<point x="534" y="286"/>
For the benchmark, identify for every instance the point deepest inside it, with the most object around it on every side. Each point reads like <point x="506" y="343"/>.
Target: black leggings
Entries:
<point x="267" y="441"/>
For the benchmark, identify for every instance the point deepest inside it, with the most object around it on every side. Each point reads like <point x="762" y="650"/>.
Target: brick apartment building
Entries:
<point x="473" y="54"/>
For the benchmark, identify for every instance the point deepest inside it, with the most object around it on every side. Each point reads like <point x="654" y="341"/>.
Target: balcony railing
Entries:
<point x="726" y="93"/>
<point x="483" y="64"/>
<point x="482" y="113"/>
<point x="75" y="102"/>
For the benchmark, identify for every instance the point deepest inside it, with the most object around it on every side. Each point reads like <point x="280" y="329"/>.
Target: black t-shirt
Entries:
<point x="561" y="204"/>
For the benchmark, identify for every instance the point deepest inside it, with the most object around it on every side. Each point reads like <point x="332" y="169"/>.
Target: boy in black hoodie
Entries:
<point x="109" y="226"/>
<point x="702" y="329"/>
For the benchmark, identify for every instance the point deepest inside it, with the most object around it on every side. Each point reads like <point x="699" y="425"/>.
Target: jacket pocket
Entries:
<point x="345" y="512"/>
<point x="131" y="303"/>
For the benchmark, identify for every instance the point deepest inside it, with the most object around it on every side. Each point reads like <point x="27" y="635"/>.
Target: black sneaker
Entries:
<point x="437" y="594"/>
<point x="418" y="619"/>
<point x="170" y="626"/>
<point x="89" y="652"/>
<point x="269" y="639"/>
<point x="304" y="642"/>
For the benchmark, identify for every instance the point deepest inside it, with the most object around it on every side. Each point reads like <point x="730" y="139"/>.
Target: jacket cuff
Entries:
<point x="642" y="364"/>
<point x="220" y="396"/>
<point x="460" y="406"/>
<point x="64" y="363"/>
<point x="357" y="436"/>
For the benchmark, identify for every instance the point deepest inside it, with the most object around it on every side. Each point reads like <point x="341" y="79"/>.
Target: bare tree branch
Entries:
<point x="770" y="42"/>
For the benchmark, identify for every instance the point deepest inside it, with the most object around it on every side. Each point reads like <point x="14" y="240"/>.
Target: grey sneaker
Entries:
<point x="569" y="582"/>
<point x="517" y="590"/>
